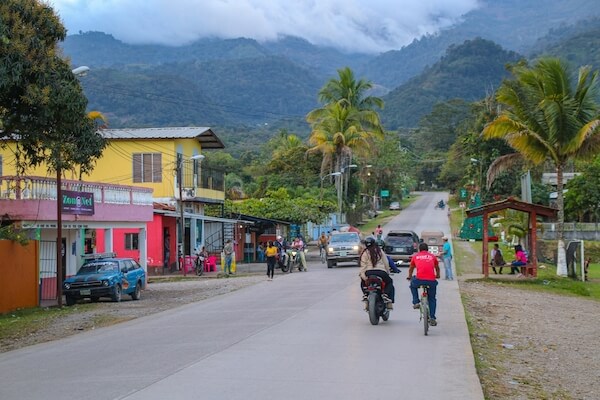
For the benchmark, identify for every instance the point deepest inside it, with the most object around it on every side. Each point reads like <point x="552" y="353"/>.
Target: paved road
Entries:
<point x="301" y="336"/>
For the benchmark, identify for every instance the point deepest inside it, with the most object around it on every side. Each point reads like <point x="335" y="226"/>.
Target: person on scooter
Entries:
<point x="373" y="261"/>
<point x="298" y="245"/>
<point x="282" y="247"/>
<point x="428" y="271"/>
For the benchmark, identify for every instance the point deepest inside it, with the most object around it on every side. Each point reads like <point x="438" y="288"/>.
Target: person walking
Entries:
<point x="447" y="258"/>
<point x="228" y="252"/>
<point x="271" y="253"/>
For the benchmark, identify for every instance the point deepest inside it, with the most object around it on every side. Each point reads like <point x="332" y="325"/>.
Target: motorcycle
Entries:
<point x="199" y="264"/>
<point x="295" y="261"/>
<point x="282" y="261"/>
<point x="376" y="306"/>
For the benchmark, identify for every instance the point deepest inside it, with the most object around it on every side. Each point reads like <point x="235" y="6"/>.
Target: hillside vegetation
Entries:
<point x="469" y="71"/>
<point x="241" y="85"/>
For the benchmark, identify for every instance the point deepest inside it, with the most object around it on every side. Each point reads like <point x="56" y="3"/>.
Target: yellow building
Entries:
<point x="145" y="158"/>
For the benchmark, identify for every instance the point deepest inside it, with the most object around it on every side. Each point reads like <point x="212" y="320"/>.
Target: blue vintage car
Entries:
<point x="105" y="275"/>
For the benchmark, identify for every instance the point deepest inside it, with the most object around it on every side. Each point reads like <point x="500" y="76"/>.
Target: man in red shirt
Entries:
<point x="428" y="270"/>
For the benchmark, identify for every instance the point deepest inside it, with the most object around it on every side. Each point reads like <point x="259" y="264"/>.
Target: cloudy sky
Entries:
<point x="352" y="25"/>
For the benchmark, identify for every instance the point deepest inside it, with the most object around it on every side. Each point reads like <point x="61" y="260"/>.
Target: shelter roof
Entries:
<point x="513" y="204"/>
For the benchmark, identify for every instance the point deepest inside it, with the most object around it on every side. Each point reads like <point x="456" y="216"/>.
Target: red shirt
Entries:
<point x="425" y="264"/>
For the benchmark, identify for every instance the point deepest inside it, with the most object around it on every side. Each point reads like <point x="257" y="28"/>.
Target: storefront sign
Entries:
<point x="80" y="203"/>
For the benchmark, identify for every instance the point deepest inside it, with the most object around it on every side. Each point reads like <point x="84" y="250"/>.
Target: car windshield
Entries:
<point x="344" y="237"/>
<point x="433" y="241"/>
<point x="99" y="266"/>
<point x="399" y="241"/>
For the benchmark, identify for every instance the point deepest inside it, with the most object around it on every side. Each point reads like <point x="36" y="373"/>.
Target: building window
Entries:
<point x="132" y="241"/>
<point x="147" y="167"/>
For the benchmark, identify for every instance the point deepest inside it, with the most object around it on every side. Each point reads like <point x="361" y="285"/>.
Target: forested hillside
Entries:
<point x="578" y="44"/>
<point x="513" y="24"/>
<point x="469" y="71"/>
<point x="241" y="84"/>
<point x="244" y="91"/>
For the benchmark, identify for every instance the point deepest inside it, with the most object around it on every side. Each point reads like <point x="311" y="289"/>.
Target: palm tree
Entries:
<point x="546" y="116"/>
<point x="346" y="87"/>
<point x="338" y="134"/>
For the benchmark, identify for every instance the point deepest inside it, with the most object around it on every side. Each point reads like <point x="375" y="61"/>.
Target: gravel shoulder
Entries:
<point x="160" y="295"/>
<point x="529" y="344"/>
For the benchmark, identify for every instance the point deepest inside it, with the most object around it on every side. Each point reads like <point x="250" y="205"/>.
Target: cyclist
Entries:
<point x="323" y="242"/>
<point x="373" y="261"/>
<point x="428" y="271"/>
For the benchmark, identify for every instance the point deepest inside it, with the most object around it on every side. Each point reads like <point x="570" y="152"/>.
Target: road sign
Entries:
<point x="462" y="204"/>
<point x="385" y="193"/>
<point x="463" y="193"/>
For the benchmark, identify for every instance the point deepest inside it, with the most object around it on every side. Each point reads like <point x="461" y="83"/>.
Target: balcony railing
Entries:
<point x="42" y="188"/>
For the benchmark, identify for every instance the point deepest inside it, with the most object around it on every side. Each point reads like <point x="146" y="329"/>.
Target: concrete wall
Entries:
<point x="18" y="275"/>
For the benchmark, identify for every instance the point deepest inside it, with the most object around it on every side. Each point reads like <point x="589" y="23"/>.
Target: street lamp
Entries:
<point x="344" y="188"/>
<point x="180" y="161"/>
<point x="476" y="161"/>
<point x="78" y="72"/>
<point x="325" y="176"/>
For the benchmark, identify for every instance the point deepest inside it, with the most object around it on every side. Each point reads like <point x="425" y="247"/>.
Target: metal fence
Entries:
<point x="47" y="270"/>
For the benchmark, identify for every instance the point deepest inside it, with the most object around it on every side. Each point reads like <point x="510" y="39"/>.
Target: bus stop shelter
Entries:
<point x="533" y="211"/>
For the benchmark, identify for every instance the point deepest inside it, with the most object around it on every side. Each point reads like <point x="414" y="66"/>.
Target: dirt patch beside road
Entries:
<point x="158" y="296"/>
<point x="529" y="344"/>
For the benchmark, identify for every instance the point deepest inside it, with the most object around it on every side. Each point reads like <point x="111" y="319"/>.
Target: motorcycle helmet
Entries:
<point x="370" y="241"/>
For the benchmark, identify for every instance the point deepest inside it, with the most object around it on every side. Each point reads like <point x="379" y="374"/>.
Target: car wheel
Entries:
<point x="137" y="293"/>
<point x="117" y="293"/>
<point x="70" y="300"/>
<point x="330" y="264"/>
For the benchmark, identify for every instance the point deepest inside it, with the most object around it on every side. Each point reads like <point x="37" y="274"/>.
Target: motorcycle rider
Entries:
<point x="373" y="261"/>
<point x="428" y="271"/>
<point x="282" y="247"/>
<point x="298" y="245"/>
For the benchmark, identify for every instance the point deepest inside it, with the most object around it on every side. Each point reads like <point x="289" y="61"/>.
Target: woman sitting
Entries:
<point x="520" y="259"/>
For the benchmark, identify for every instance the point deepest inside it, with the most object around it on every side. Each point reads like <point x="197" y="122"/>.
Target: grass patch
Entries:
<point x="549" y="282"/>
<point x="27" y="321"/>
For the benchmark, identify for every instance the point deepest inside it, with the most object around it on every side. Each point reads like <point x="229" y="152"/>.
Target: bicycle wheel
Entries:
<point x="425" y="314"/>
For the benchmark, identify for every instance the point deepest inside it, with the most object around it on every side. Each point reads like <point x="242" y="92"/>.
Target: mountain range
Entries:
<point x="240" y="84"/>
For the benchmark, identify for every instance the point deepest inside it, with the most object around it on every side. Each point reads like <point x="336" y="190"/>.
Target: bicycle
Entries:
<point x="322" y="254"/>
<point x="424" y="308"/>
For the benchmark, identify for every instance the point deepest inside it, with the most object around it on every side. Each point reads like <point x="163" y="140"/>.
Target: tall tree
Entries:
<point x="41" y="101"/>
<point x="347" y="87"/>
<point x="548" y="116"/>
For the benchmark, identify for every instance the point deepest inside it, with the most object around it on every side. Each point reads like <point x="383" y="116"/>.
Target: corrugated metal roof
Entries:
<point x="205" y="136"/>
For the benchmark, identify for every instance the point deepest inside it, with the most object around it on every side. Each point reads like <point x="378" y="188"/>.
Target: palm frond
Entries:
<point x="500" y="165"/>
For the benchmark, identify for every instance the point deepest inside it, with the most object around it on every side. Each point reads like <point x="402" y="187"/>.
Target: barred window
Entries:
<point x="147" y="167"/>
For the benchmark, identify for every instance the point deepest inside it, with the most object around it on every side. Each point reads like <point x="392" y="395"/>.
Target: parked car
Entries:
<point x="434" y="241"/>
<point x="105" y="275"/>
<point x="343" y="247"/>
<point x="401" y="245"/>
<point x="395" y="205"/>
